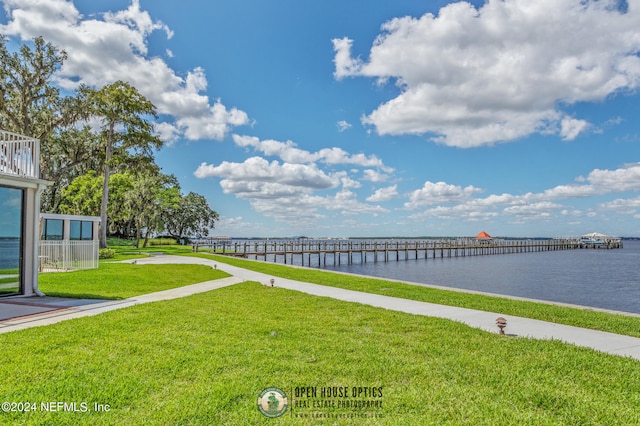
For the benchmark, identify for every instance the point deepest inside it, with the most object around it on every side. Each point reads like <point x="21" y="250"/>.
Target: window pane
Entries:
<point x="10" y="240"/>
<point x="53" y="229"/>
<point x="74" y="229"/>
<point x="87" y="230"/>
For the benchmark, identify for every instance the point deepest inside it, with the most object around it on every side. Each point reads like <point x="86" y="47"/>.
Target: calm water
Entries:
<point x="608" y="279"/>
<point x="9" y="253"/>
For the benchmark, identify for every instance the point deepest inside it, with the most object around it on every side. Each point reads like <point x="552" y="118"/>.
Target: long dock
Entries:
<point x="337" y="252"/>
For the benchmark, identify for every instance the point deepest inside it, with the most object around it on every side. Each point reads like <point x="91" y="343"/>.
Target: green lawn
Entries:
<point x="9" y="280"/>
<point x="113" y="280"/>
<point x="614" y="323"/>
<point x="204" y="359"/>
<point x="621" y="324"/>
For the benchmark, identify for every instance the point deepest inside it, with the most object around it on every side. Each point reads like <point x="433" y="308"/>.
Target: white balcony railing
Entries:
<point x="65" y="255"/>
<point x="19" y="155"/>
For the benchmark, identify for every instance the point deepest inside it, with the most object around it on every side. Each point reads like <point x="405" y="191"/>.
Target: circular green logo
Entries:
<point x="272" y="402"/>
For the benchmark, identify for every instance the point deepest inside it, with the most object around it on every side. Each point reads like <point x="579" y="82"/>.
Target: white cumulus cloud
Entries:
<point x="475" y="76"/>
<point x="288" y="152"/>
<point x="445" y="201"/>
<point x="384" y="194"/>
<point x="440" y="193"/>
<point x="114" y="47"/>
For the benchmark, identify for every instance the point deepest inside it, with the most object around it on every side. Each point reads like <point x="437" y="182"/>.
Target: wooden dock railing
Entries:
<point x="337" y="252"/>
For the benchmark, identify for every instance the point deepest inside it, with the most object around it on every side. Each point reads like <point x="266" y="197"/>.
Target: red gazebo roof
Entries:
<point x="483" y="236"/>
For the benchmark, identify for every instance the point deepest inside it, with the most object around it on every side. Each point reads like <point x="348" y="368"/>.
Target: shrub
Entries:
<point x="164" y="241"/>
<point x="106" y="253"/>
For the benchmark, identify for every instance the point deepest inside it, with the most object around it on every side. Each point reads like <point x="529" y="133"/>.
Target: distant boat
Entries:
<point x="596" y="238"/>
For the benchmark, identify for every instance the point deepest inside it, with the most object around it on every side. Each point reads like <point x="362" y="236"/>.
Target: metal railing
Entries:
<point x="67" y="255"/>
<point x="19" y="155"/>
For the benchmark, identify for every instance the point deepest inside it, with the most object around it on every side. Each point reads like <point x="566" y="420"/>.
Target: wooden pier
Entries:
<point x="337" y="252"/>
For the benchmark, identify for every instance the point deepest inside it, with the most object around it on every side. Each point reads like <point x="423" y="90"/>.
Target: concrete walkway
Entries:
<point x="86" y="307"/>
<point x="517" y="326"/>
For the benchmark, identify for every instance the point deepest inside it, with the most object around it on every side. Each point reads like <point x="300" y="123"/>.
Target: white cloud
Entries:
<point x="345" y="65"/>
<point x="303" y="194"/>
<point x="464" y="212"/>
<point x="456" y="202"/>
<point x="346" y="202"/>
<point x="288" y="152"/>
<point x="534" y="210"/>
<point x="348" y="182"/>
<point x="287" y="191"/>
<point x="374" y="176"/>
<point x="626" y="178"/>
<point x="270" y="179"/>
<point x="570" y="128"/>
<point x="598" y="182"/>
<point x="439" y="193"/>
<point x="101" y="51"/>
<point x="343" y="125"/>
<point x="623" y="206"/>
<point x="384" y="194"/>
<point x="212" y="123"/>
<point x="472" y="77"/>
<point x="306" y="209"/>
<point x="238" y="225"/>
<point x="574" y="213"/>
<point x="167" y="132"/>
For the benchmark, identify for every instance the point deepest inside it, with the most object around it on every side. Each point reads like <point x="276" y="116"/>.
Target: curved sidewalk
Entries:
<point x="517" y="326"/>
<point x="92" y="307"/>
<point x="611" y="343"/>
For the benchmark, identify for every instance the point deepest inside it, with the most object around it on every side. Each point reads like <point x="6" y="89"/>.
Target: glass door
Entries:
<point x="11" y="206"/>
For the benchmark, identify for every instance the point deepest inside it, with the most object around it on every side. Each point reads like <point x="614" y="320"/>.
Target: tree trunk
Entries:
<point x="105" y="189"/>
<point x="146" y="239"/>
<point x="138" y="234"/>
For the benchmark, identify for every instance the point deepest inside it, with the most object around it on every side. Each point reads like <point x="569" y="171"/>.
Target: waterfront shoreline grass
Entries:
<point x="618" y="323"/>
<point x="586" y="318"/>
<point x="204" y="359"/>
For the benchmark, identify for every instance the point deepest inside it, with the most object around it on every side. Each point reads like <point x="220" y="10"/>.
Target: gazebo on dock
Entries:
<point x="483" y="236"/>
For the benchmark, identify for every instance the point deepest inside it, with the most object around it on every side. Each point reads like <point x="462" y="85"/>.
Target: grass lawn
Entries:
<point x="113" y="280"/>
<point x="205" y="359"/>
<point x="621" y="324"/>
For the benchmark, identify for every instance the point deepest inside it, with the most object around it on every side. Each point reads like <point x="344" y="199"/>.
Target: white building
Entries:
<point x="68" y="242"/>
<point x="20" y="189"/>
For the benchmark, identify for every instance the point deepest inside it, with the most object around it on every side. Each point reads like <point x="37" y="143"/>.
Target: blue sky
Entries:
<point x="343" y="118"/>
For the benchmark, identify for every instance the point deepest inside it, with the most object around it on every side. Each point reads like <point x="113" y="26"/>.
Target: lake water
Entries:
<point x="9" y="253"/>
<point x="607" y="279"/>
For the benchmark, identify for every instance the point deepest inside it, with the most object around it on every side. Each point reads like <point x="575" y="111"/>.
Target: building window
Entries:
<point x="80" y="230"/>
<point x="87" y="230"/>
<point x="52" y="230"/>
<point x="11" y="236"/>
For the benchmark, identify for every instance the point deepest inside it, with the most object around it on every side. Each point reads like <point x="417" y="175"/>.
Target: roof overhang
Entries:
<point x="23" y="182"/>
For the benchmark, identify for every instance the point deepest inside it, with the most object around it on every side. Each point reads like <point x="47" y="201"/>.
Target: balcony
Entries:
<point x="19" y="155"/>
